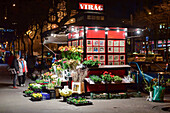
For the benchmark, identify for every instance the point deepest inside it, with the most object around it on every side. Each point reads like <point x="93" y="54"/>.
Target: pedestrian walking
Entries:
<point x="10" y="59"/>
<point x="15" y="65"/>
<point x="25" y="70"/>
<point x="20" y="74"/>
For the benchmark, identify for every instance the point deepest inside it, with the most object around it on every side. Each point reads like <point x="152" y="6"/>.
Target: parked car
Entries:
<point x="149" y="70"/>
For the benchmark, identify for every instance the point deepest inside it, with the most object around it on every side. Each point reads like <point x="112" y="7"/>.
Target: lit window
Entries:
<point x="102" y="17"/>
<point x="160" y="26"/>
<point x="97" y="17"/>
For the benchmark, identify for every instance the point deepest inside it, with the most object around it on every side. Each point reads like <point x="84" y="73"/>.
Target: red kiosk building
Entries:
<point x="100" y="40"/>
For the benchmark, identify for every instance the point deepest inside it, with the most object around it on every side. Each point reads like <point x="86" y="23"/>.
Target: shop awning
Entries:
<point x="56" y="39"/>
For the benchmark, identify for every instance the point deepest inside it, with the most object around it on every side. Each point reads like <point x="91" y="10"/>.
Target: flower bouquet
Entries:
<point x="37" y="88"/>
<point x="50" y="86"/>
<point x="66" y="92"/>
<point x="72" y="64"/>
<point x="64" y="63"/>
<point x="107" y="77"/>
<point x="47" y="75"/>
<point x="71" y="52"/>
<point x="28" y="92"/>
<point x="36" y="96"/>
<point x="31" y="86"/>
<point x="51" y="69"/>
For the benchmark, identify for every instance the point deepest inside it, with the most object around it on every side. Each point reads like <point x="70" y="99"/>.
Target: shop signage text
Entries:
<point x="90" y="6"/>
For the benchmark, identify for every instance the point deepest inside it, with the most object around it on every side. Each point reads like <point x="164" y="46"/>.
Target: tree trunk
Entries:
<point x="42" y="47"/>
<point x="167" y="33"/>
<point x="18" y="46"/>
<point x="32" y="47"/>
<point x="23" y="44"/>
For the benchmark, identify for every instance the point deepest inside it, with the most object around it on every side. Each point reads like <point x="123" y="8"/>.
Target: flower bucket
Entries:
<point x="158" y="95"/>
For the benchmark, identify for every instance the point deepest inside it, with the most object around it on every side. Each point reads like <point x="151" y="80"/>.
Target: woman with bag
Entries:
<point x="25" y="70"/>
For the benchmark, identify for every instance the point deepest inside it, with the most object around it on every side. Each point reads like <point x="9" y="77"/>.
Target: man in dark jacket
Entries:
<point x="16" y="66"/>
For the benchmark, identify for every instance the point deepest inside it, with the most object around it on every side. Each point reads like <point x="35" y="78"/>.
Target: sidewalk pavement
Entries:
<point x="13" y="101"/>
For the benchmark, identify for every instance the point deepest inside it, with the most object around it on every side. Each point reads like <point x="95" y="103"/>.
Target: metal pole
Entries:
<point x="138" y="85"/>
<point x="167" y="40"/>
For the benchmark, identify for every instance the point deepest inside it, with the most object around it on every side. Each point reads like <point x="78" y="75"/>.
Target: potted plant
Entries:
<point x="107" y="77"/>
<point x="37" y="88"/>
<point x="31" y="85"/>
<point x="36" y="96"/>
<point x="78" y="101"/>
<point x="156" y="88"/>
<point x="95" y="78"/>
<point x="159" y="89"/>
<point x="117" y="79"/>
<point x="39" y="81"/>
<point x="89" y="62"/>
<point x="28" y="92"/>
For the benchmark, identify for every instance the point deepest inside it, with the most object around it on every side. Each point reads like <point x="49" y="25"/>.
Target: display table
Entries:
<point x="120" y="70"/>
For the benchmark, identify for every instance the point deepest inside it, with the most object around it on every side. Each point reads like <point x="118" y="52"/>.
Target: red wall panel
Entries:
<point x="116" y="35"/>
<point x="95" y="34"/>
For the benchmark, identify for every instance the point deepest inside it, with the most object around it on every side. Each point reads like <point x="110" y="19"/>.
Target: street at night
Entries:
<point x="84" y="56"/>
<point x="13" y="101"/>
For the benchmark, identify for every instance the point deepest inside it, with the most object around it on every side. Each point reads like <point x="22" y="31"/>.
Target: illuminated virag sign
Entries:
<point x="89" y="6"/>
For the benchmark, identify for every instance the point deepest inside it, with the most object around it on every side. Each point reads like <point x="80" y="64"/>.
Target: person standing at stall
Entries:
<point x="15" y="65"/>
<point x="25" y="70"/>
